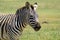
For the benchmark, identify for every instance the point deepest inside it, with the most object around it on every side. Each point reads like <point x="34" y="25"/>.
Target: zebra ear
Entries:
<point x="27" y="4"/>
<point x="35" y="5"/>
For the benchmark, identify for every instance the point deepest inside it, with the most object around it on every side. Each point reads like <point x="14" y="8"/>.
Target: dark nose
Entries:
<point x="37" y="27"/>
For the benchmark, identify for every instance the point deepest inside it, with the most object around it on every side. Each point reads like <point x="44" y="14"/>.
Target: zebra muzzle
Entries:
<point x="37" y="27"/>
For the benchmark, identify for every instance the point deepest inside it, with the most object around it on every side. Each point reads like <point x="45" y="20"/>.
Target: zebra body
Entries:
<point x="12" y="25"/>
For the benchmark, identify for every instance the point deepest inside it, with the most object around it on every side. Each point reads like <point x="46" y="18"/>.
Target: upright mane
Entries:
<point x="20" y="10"/>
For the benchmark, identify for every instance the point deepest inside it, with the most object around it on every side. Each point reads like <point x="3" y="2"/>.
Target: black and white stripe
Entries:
<point x="12" y="25"/>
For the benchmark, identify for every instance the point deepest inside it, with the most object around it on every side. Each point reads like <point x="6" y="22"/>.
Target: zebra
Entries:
<point x="12" y="25"/>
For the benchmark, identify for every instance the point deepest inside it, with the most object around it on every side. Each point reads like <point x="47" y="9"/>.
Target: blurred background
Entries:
<point x="49" y="17"/>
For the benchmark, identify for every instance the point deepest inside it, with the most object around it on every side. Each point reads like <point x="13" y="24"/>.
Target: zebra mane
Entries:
<point x="27" y="6"/>
<point x="20" y="9"/>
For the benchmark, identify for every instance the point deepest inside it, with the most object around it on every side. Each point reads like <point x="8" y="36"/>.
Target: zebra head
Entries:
<point x="27" y="15"/>
<point x="32" y="16"/>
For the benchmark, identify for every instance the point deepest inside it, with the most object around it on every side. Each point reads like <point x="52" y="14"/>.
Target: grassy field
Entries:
<point x="48" y="10"/>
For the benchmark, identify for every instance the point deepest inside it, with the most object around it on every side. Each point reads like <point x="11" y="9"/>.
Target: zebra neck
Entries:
<point x="20" y="22"/>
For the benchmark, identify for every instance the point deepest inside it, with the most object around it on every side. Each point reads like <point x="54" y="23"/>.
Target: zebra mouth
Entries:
<point x="37" y="27"/>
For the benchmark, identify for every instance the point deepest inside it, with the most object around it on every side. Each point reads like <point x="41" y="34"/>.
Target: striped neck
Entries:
<point x="20" y="21"/>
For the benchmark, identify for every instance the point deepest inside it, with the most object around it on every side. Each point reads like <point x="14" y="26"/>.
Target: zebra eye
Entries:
<point x="31" y="16"/>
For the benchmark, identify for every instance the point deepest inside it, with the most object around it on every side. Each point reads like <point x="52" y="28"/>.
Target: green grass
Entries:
<point x="48" y="10"/>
